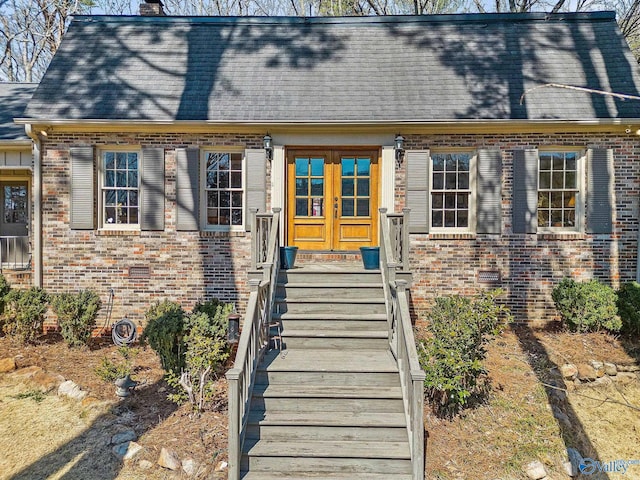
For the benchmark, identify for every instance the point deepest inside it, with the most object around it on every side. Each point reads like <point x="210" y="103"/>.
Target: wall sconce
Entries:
<point x="233" y="328"/>
<point x="268" y="146"/>
<point x="398" y="146"/>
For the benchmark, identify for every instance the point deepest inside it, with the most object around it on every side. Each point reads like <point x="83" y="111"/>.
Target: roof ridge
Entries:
<point x="456" y="18"/>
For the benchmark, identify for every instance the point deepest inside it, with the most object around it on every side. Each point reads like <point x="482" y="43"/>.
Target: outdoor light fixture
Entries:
<point x="399" y="149"/>
<point x="268" y="146"/>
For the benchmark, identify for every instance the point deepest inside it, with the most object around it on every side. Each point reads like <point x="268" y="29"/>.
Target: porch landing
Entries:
<point x="329" y="261"/>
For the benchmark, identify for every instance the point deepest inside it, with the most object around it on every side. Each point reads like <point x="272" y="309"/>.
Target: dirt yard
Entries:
<point x="532" y="413"/>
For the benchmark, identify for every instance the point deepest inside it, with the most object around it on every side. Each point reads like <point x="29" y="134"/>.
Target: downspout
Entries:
<point x="37" y="208"/>
<point x="638" y="247"/>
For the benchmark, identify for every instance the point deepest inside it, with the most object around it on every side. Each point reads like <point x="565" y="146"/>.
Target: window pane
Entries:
<point x="133" y="179"/>
<point x="223" y="179"/>
<point x="449" y="218"/>
<point x="450" y="164"/>
<point x="348" y="167"/>
<point x="558" y="161"/>
<point x="363" y="207"/>
<point x="438" y="181"/>
<point x="123" y="197"/>
<point x="121" y="161"/>
<point x="556" y="218"/>
<point x="463" y="181"/>
<point x="302" y="167"/>
<point x="545" y="180"/>
<point x="316" y="207"/>
<point x="236" y="162"/>
<point x="363" y="187"/>
<point x="436" y="218"/>
<point x="121" y="179"/>
<point x="212" y="199"/>
<point x="302" y="186"/>
<point x="109" y="160"/>
<point x="438" y="200"/>
<point x="212" y="179"/>
<point x="110" y="215"/>
<point x="317" y="187"/>
<point x="450" y="181"/>
<point x="347" y="187"/>
<point x="570" y="218"/>
<point x="133" y="215"/>
<point x="570" y="199"/>
<point x="236" y="199"/>
<point x="225" y="216"/>
<point x="347" y="207"/>
<point x="224" y="162"/>
<point x="543" y="199"/>
<point x="302" y="207"/>
<point x="463" y="218"/>
<point x="570" y="180"/>
<point x="463" y="163"/>
<point x="438" y="163"/>
<point x="545" y="161"/>
<point x="317" y="167"/>
<point x="213" y="159"/>
<point x="236" y="180"/>
<point x="133" y="198"/>
<point x="556" y="199"/>
<point x="450" y="200"/>
<point x="132" y="160"/>
<point x="236" y="216"/>
<point x="463" y="200"/>
<point x="557" y="179"/>
<point x="110" y="179"/>
<point x="543" y="218"/>
<point x="225" y="199"/>
<point x="110" y="197"/>
<point x="212" y="216"/>
<point x="364" y="167"/>
<point x="570" y="161"/>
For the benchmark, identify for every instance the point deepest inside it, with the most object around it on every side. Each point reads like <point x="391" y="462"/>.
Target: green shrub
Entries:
<point x="629" y="307"/>
<point x="206" y="349"/>
<point x="164" y="333"/>
<point x="459" y="329"/>
<point x="24" y="313"/>
<point x="109" y="370"/>
<point x="77" y="314"/>
<point x="5" y="288"/>
<point x="586" y="306"/>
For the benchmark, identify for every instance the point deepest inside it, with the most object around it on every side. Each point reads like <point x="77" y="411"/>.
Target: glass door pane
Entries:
<point x="309" y="187"/>
<point x="356" y="186"/>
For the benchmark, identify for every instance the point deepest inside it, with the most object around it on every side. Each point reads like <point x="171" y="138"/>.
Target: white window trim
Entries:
<point x="134" y="227"/>
<point x="581" y="162"/>
<point x="203" y="190"/>
<point x="473" y="154"/>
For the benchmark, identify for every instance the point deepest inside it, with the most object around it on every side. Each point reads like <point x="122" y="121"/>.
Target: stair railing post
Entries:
<point x="255" y="238"/>
<point x="233" y="377"/>
<point x="405" y="239"/>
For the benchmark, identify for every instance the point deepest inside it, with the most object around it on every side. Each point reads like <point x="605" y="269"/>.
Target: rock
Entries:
<point x="169" y="459"/>
<point x="26" y="373"/>
<point x="190" y="467"/>
<point x="120" y="450"/>
<point x="570" y="470"/>
<point x="535" y="470"/>
<point x="626" y="377"/>
<point x="132" y="451"/>
<point x="7" y="365"/>
<point x="221" y="466"/>
<point x="123" y="437"/>
<point x="587" y="373"/>
<point x="145" y="464"/>
<point x="568" y="371"/>
<point x="610" y="369"/>
<point x="629" y="368"/>
<point x="71" y="390"/>
<point x="47" y="382"/>
<point x="598" y="367"/>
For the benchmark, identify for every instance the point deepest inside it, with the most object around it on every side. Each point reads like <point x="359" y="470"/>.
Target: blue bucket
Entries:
<point x="370" y="257"/>
<point x="288" y="257"/>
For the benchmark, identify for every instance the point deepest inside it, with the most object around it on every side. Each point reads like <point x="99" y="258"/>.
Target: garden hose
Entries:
<point x="124" y="332"/>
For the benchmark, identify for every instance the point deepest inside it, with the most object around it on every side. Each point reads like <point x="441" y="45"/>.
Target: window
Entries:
<point x="558" y="190"/>
<point x="120" y="186"/>
<point x="223" y="189"/>
<point x="451" y="194"/>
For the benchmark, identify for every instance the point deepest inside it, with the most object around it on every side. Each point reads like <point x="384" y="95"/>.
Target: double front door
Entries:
<point x="332" y="198"/>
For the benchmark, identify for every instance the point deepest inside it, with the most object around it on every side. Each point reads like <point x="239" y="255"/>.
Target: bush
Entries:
<point x="206" y="349"/>
<point x="5" y="288"/>
<point x="586" y="306"/>
<point x="77" y="314"/>
<point x="24" y="313"/>
<point x="164" y="333"/>
<point x="629" y="307"/>
<point x="459" y="329"/>
<point x="109" y="370"/>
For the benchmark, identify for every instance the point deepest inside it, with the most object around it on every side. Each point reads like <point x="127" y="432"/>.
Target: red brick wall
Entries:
<point x="529" y="264"/>
<point x="184" y="266"/>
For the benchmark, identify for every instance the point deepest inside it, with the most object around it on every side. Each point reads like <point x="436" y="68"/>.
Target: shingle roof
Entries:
<point x="374" y="69"/>
<point x="13" y="100"/>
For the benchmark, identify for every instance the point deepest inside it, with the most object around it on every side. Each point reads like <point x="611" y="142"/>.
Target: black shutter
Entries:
<point x="525" y="191"/>
<point x="152" y="189"/>
<point x="82" y="189"/>
<point x="417" y="194"/>
<point x="600" y="180"/>
<point x="187" y="189"/>
<point x="489" y="194"/>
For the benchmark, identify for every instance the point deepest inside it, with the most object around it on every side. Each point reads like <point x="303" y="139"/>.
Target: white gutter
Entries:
<point x="37" y="209"/>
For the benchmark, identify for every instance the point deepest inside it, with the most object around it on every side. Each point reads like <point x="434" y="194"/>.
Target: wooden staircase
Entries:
<point x="329" y="404"/>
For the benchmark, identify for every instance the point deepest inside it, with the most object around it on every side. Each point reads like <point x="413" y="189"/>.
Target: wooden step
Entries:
<point x="317" y="360"/>
<point x="333" y="449"/>
<point x="333" y="316"/>
<point x="324" y="391"/>
<point x="319" y="465"/>
<point x="338" y="325"/>
<point x="323" y="476"/>
<point x="328" y="405"/>
<point x="327" y="433"/>
<point x="329" y="299"/>
<point x="330" y="308"/>
<point x="293" y="290"/>
<point x="318" y="339"/>
<point x="320" y="277"/>
<point x="328" y="379"/>
<point x="321" y="419"/>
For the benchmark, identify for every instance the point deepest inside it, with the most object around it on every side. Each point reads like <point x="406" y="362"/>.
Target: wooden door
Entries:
<point x="332" y="198"/>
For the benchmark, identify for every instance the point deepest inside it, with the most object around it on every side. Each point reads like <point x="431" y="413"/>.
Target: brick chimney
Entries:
<point x="151" y="8"/>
